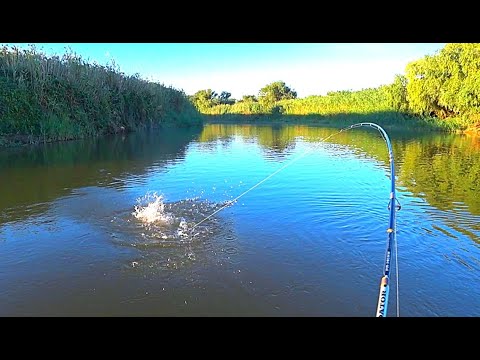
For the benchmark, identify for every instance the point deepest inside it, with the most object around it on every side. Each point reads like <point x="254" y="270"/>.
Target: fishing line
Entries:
<point x="231" y="202"/>
<point x="397" y="280"/>
<point x="393" y="206"/>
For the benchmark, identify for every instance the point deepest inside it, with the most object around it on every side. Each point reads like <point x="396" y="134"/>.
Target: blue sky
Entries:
<point x="242" y="69"/>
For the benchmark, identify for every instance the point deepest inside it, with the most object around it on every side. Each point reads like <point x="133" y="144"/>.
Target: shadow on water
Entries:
<point x="32" y="177"/>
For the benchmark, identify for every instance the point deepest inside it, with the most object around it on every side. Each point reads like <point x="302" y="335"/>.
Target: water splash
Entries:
<point x="157" y="223"/>
<point x="165" y="234"/>
<point x="151" y="208"/>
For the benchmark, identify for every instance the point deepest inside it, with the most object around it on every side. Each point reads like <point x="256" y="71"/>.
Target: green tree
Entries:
<point x="397" y="93"/>
<point x="276" y="91"/>
<point x="424" y="83"/>
<point x="460" y="65"/>
<point x="447" y="83"/>
<point x="204" y="99"/>
<point x="224" y="98"/>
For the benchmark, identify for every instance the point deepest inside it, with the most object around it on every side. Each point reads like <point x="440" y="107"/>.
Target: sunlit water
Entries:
<point x="114" y="226"/>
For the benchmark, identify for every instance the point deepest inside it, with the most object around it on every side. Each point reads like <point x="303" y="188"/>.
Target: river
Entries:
<point x="106" y="227"/>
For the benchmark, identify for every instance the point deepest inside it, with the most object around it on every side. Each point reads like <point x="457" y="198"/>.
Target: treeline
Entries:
<point x="208" y="102"/>
<point x="444" y="88"/>
<point x="278" y="98"/>
<point x="58" y="98"/>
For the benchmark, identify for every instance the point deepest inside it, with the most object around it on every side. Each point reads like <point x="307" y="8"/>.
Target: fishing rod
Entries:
<point x="393" y="206"/>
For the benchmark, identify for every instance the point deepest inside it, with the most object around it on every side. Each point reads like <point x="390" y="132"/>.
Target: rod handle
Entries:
<point x="383" y="297"/>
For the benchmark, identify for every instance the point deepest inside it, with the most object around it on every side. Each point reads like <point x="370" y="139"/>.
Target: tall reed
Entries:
<point x="65" y="97"/>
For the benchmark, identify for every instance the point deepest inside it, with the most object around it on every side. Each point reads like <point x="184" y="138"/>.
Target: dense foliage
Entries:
<point x="57" y="98"/>
<point x="206" y="99"/>
<point x="446" y="84"/>
<point x="338" y="102"/>
<point x="443" y="88"/>
<point x="274" y="92"/>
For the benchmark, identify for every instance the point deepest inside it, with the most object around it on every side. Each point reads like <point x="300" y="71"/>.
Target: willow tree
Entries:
<point x="424" y="84"/>
<point x="396" y="94"/>
<point x="461" y="90"/>
<point x="447" y="83"/>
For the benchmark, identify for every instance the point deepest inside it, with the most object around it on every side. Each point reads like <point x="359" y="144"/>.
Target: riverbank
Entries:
<point x="18" y="140"/>
<point x="390" y="120"/>
<point x="47" y="99"/>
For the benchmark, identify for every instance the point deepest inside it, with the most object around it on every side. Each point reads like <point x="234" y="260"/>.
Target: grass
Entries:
<point x="338" y="109"/>
<point x="61" y="98"/>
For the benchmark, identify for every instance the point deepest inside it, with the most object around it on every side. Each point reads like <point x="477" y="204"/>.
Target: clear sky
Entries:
<point x="243" y="69"/>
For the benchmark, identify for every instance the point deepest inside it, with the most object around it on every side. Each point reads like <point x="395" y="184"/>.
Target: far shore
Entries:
<point x="398" y="122"/>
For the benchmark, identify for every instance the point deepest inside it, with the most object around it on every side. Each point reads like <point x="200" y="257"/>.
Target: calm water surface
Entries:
<point x="310" y="241"/>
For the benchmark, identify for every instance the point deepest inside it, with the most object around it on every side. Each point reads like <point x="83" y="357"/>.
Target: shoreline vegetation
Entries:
<point x="54" y="98"/>
<point x="439" y="92"/>
<point x="46" y="99"/>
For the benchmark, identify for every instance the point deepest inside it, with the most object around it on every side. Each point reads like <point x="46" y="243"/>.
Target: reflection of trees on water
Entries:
<point x="444" y="169"/>
<point x="32" y="177"/>
<point x="276" y="141"/>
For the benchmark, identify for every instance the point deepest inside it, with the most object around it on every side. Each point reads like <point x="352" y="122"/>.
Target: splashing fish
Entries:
<point x="150" y="208"/>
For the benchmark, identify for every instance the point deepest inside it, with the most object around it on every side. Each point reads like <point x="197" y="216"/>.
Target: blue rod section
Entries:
<point x="384" y="283"/>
